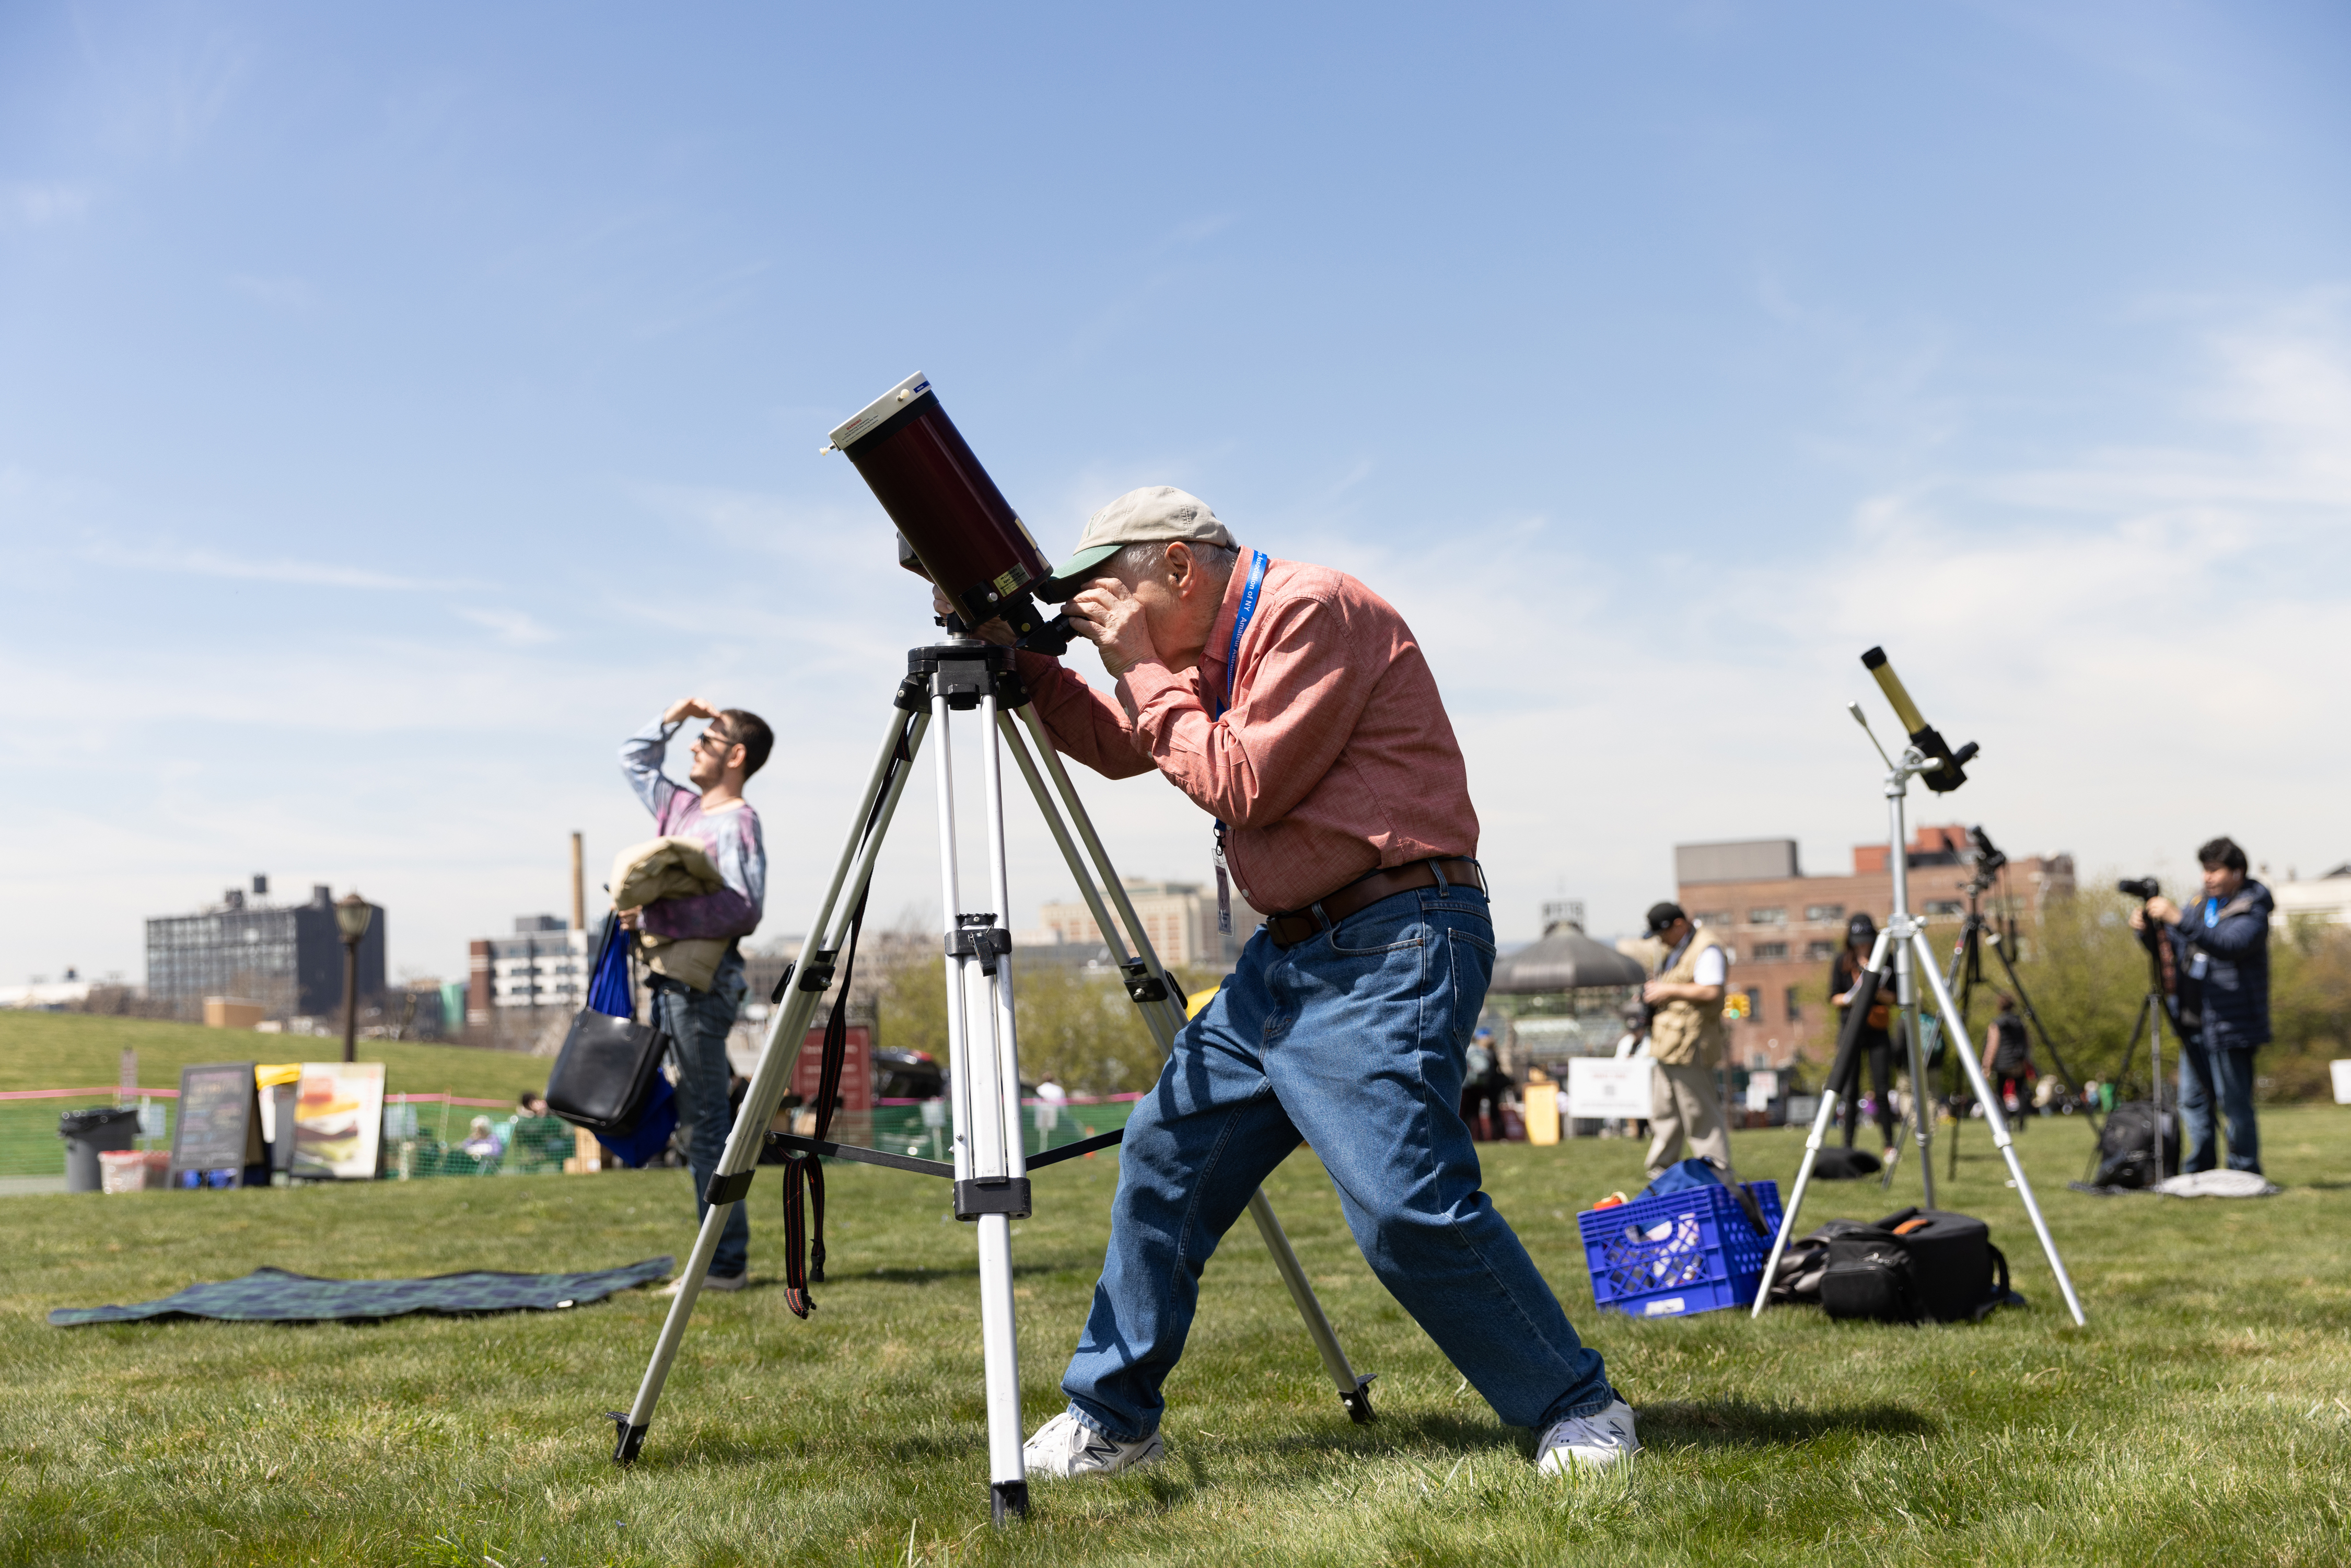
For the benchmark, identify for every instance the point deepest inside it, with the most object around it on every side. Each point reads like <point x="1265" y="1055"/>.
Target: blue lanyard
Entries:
<point x="2211" y="912"/>
<point x="1258" y="564"/>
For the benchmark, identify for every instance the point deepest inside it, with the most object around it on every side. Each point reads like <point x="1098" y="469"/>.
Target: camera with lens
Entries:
<point x="2141" y="888"/>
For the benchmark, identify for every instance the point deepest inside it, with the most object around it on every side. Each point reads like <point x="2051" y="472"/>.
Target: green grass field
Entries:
<point x="2203" y="1416"/>
<point x="72" y="1051"/>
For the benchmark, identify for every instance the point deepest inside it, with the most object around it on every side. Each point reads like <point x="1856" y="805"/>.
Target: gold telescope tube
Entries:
<point x="1891" y="684"/>
<point x="1948" y="774"/>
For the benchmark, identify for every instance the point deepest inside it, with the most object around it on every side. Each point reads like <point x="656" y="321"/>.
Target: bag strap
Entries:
<point x="804" y="1172"/>
<point x="1999" y="1292"/>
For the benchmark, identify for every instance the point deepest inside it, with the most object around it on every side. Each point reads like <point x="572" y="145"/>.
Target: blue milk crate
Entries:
<point x="1685" y="1252"/>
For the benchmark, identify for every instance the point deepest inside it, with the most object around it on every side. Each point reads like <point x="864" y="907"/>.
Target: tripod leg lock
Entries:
<point x="1359" y="1403"/>
<point x="631" y="1439"/>
<point x="999" y="1196"/>
<point x="1142" y="985"/>
<point x="726" y="1188"/>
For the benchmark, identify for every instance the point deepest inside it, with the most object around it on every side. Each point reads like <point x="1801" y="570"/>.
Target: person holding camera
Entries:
<point x="2219" y="949"/>
<point x="733" y="746"/>
<point x="1294" y="706"/>
<point x="1686" y="1043"/>
<point x="1876" y="1043"/>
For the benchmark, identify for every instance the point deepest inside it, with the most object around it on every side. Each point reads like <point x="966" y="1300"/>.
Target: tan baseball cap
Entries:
<point x="1154" y="513"/>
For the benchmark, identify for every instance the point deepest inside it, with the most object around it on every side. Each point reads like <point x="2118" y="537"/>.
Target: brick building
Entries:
<point x="1783" y="927"/>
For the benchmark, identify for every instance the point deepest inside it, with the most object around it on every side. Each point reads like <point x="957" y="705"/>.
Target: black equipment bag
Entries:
<point x="1805" y="1262"/>
<point x="2127" y="1147"/>
<point x="604" y="1074"/>
<point x="1913" y="1265"/>
<point x="1845" y="1165"/>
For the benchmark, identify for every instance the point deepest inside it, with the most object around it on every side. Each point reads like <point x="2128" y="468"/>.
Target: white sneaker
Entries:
<point x="1068" y="1447"/>
<point x="1590" y="1442"/>
<point x="709" y="1283"/>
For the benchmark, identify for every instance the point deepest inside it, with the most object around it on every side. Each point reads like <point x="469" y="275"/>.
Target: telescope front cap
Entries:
<point x="881" y="407"/>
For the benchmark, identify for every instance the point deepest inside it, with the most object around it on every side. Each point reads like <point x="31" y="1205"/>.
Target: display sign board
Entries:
<point x="1607" y="1087"/>
<point x="339" y="1121"/>
<point x="219" y="1130"/>
<point x="856" y="1068"/>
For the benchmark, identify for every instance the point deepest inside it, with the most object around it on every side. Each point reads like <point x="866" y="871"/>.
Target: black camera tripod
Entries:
<point x="2149" y="1023"/>
<point x="990" y="1169"/>
<point x="1966" y="972"/>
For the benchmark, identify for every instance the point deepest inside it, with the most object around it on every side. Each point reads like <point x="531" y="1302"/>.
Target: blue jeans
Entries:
<point x="696" y="1023"/>
<point x="1353" y="1041"/>
<point x="2206" y="1075"/>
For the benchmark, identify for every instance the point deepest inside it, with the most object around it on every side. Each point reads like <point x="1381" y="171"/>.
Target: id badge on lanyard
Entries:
<point x="1258" y="564"/>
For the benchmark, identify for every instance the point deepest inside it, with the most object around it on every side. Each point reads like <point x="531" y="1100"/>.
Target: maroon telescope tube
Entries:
<point x="961" y="531"/>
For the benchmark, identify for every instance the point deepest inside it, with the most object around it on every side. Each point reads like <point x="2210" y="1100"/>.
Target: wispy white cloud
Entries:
<point x="284" y="293"/>
<point x="515" y="627"/>
<point x="201" y="562"/>
<point x="40" y="204"/>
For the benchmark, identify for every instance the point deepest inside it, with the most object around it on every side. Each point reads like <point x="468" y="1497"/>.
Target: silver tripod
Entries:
<point x="1905" y="938"/>
<point x="990" y="1169"/>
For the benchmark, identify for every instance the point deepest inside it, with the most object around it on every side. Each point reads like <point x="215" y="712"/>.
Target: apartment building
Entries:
<point x="1179" y="917"/>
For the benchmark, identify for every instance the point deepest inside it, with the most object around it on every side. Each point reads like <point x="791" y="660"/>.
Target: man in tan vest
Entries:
<point x="1686" y="1041"/>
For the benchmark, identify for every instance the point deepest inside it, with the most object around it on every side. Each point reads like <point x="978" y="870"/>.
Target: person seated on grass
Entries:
<point x="481" y="1141"/>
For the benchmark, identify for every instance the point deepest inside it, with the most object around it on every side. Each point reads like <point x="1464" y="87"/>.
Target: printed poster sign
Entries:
<point x="339" y="1121"/>
<point x="1604" y="1086"/>
<point x="856" y="1068"/>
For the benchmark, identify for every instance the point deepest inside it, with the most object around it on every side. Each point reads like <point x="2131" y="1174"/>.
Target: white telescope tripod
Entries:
<point x="1905" y="940"/>
<point x="989" y="1170"/>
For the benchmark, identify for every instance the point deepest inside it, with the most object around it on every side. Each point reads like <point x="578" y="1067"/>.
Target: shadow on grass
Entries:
<point x="1740" y="1422"/>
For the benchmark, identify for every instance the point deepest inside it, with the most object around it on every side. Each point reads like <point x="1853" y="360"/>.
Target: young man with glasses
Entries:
<point x="732" y="747"/>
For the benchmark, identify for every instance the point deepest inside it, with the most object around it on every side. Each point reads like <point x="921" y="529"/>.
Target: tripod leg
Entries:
<point x="1165" y="1017"/>
<point x="984" y="1072"/>
<point x="1909" y="958"/>
<point x="1841" y="1075"/>
<point x="2000" y="1138"/>
<point x="788" y="1026"/>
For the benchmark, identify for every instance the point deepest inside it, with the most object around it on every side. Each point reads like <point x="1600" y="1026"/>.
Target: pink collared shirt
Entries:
<point x="1334" y="760"/>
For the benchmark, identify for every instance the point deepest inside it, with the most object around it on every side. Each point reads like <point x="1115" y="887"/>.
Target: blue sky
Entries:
<point x="398" y="405"/>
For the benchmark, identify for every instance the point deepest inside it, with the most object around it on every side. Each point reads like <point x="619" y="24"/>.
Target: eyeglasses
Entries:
<point x="715" y="738"/>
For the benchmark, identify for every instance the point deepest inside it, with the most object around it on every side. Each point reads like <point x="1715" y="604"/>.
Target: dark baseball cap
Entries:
<point x="1662" y="915"/>
<point x="1861" y="928"/>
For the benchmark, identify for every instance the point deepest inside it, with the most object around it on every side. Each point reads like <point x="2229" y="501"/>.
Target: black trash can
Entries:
<point x="87" y="1133"/>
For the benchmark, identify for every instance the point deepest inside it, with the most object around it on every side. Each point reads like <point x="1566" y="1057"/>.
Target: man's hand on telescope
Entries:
<point x="1110" y="617"/>
<point x="2160" y="907"/>
<point x="995" y="631"/>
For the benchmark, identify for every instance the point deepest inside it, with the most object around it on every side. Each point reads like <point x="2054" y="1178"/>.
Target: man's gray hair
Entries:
<point x="1148" y="558"/>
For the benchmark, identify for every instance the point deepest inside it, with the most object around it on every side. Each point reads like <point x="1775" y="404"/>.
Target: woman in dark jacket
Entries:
<point x="1876" y="1043"/>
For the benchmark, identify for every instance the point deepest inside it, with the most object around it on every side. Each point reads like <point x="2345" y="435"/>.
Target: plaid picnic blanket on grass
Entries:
<point x="274" y="1295"/>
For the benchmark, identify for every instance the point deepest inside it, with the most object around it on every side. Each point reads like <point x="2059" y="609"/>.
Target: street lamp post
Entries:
<point x="352" y="915"/>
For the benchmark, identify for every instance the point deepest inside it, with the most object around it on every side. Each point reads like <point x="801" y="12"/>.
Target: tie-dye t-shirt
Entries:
<point x="731" y="838"/>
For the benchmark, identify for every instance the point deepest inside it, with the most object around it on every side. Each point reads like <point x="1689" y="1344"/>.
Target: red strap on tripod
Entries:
<point x="804" y="1172"/>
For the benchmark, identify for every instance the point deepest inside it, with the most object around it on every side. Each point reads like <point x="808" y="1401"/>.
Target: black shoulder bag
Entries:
<point x="604" y="1074"/>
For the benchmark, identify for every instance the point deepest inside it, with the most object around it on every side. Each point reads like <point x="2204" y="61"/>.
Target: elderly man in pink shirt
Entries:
<point x="1292" y="704"/>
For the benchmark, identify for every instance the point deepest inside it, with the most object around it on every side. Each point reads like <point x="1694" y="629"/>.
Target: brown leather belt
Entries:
<point x="1290" y="929"/>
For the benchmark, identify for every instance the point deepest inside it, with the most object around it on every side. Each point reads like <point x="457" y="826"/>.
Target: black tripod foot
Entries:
<point x="1007" y="1500"/>
<point x="631" y="1438"/>
<point x="1359" y="1403"/>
